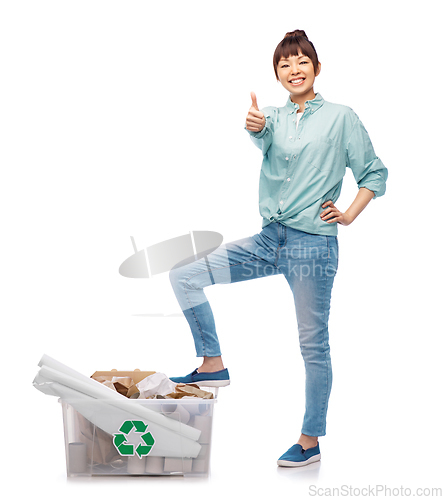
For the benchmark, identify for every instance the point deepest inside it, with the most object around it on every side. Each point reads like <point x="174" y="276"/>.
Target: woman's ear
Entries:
<point x="318" y="69"/>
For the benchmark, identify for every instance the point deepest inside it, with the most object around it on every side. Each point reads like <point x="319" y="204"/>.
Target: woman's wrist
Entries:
<point x="364" y="196"/>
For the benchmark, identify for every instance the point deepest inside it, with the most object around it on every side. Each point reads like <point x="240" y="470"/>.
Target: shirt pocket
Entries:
<point x="323" y="154"/>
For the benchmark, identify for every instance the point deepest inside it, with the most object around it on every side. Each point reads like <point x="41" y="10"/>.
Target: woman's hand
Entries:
<point x="333" y="214"/>
<point x="255" y="120"/>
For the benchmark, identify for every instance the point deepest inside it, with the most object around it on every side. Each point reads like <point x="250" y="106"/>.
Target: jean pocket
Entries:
<point x="310" y="247"/>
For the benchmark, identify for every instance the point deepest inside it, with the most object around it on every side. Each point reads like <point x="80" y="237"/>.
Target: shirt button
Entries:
<point x="281" y="202"/>
<point x="286" y="158"/>
<point x="288" y="179"/>
<point x="290" y="137"/>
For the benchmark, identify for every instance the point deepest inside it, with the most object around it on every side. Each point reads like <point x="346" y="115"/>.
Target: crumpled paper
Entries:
<point x="159" y="385"/>
<point x="190" y="390"/>
<point x="156" y="384"/>
<point x="105" y="381"/>
<point x="122" y="385"/>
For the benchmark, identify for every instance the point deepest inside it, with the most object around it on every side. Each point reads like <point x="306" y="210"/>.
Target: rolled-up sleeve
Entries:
<point x="368" y="169"/>
<point x="263" y="139"/>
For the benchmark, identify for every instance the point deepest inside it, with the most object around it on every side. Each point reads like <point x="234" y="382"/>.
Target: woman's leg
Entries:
<point x="241" y="260"/>
<point x="309" y="263"/>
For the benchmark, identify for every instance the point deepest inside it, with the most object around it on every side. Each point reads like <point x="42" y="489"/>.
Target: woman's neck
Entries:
<point x="301" y="99"/>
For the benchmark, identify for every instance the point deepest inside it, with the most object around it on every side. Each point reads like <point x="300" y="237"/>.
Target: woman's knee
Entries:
<point x="176" y="277"/>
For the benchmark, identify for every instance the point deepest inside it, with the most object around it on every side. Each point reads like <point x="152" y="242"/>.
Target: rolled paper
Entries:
<point x="95" y="389"/>
<point x="201" y="463"/>
<point x="204" y="452"/>
<point x="110" y="418"/>
<point x="56" y="365"/>
<point x="193" y="409"/>
<point x="154" y="465"/>
<point x="77" y="461"/>
<point x="136" y="465"/>
<point x="204" y="409"/>
<point x="168" y="407"/>
<point x="178" y="465"/>
<point x="205" y="425"/>
<point x="177" y="412"/>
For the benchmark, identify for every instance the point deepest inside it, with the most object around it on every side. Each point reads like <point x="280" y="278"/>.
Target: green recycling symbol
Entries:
<point x="127" y="449"/>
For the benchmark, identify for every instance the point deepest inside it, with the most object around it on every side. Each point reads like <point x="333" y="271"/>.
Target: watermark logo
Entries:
<point x="169" y="254"/>
<point x="382" y="490"/>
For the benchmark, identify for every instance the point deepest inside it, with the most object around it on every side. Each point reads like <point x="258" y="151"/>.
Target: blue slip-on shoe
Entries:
<point x="205" y="379"/>
<point x="296" y="456"/>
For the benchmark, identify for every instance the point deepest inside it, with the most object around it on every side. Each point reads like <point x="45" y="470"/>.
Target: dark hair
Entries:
<point x="293" y="44"/>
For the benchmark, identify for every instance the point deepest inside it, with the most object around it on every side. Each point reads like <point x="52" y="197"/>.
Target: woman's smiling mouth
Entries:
<point x="296" y="81"/>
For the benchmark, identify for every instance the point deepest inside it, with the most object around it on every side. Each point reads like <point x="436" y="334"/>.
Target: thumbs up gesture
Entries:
<point x="255" y="120"/>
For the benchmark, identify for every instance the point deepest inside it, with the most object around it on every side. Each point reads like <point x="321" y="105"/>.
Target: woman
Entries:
<point x="307" y="145"/>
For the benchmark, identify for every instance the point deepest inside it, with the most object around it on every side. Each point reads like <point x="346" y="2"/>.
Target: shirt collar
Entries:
<point x="311" y="106"/>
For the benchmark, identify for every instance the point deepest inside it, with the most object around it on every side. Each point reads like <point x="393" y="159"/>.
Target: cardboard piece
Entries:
<point x="190" y="390"/>
<point x="124" y="382"/>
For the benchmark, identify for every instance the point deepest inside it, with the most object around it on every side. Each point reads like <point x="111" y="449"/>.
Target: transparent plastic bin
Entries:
<point x="104" y="440"/>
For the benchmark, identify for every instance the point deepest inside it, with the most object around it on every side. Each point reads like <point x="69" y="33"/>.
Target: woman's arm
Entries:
<point x="333" y="214"/>
<point x="366" y="166"/>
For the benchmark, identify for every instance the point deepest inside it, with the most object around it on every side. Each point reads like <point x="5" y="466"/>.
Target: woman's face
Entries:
<point x="297" y="75"/>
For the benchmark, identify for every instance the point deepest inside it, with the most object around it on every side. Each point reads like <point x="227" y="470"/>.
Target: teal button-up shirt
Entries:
<point x="304" y="167"/>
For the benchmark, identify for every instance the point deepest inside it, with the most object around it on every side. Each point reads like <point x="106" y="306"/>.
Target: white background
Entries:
<point x="124" y="119"/>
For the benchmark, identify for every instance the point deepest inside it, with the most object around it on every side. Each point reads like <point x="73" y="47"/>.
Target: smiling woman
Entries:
<point x="297" y="74"/>
<point x="296" y="65"/>
<point x="307" y="145"/>
<point x="293" y="44"/>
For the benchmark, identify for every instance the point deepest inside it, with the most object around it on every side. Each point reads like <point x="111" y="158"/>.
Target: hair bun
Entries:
<point x="297" y="33"/>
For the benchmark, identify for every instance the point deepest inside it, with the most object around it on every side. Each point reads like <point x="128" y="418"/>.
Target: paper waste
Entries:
<point x="107" y="408"/>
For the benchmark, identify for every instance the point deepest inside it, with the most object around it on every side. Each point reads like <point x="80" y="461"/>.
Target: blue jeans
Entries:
<point x="308" y="262"/>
